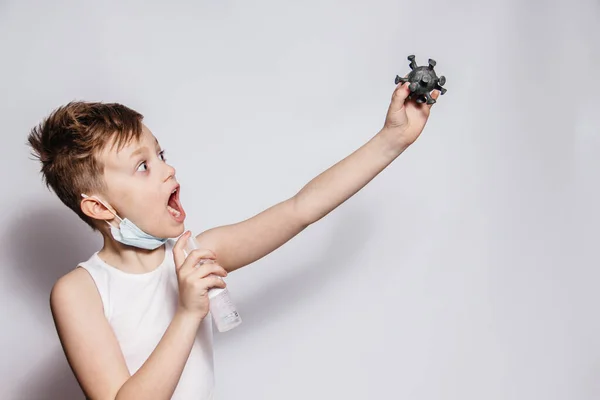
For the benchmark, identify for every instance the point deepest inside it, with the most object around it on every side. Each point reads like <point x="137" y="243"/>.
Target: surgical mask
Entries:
<point x="129" y="234"/>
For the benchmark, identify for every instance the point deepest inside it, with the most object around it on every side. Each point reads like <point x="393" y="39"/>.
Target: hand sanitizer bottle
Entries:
<point x="222" y="308"/>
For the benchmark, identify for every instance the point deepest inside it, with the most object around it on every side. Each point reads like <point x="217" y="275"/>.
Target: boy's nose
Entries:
<point x="170" y="172"/>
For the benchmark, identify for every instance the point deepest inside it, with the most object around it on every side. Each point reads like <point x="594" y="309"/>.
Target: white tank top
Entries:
<point x="140" y="307"/>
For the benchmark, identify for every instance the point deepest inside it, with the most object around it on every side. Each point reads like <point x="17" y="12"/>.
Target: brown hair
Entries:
<point x="67" y="144"/>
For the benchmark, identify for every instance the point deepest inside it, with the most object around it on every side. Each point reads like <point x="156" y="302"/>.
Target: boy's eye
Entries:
<point x="162" y="156"/>
<point x="143" y="167"/>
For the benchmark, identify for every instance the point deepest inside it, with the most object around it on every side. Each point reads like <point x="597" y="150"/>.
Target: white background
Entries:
<point x="467" y="270"/>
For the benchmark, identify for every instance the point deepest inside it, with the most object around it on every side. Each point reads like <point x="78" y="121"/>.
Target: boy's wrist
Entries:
<point x="188" y="316"/>
<point x="392" y="143"/>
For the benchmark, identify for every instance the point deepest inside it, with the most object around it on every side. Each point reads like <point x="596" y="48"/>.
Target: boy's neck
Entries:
<point x="130" y="259"/>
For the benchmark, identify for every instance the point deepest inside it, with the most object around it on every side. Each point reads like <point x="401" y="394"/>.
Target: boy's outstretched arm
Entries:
<point x="240" y="244"/>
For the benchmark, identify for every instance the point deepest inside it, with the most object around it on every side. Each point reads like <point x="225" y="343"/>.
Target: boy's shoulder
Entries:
<point x="76" y="287"/>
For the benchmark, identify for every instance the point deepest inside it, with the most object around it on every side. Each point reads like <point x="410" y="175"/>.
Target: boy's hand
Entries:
<point x="406" y="119"/>
<point x="196" y="274"/>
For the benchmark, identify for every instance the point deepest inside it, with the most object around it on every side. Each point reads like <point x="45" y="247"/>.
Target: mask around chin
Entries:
<point x="130" y="234"/>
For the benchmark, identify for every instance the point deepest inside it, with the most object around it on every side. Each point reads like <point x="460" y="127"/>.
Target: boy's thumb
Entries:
<point x="399" y="96"/>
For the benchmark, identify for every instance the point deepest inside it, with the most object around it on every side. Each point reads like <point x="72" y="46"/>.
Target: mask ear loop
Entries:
<point x="85" y="196"/>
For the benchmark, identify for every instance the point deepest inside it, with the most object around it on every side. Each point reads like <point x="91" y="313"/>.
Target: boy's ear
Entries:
<point x="95" y="209"/>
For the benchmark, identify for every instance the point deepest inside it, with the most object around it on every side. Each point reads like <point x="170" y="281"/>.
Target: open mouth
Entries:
<point x="174" y="206"/>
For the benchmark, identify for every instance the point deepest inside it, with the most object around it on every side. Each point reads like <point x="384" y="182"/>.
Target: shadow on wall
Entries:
<point x="46" y="244"/>
<point x="50" y="379"/>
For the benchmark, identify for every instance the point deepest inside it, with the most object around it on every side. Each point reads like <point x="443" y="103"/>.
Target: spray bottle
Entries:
<point x="223" y="310"/>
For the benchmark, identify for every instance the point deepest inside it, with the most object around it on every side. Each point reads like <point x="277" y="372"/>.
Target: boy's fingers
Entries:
<point x="399" y="96"/>
<point x="178" y="253"/>
<point x="197" y="258"/>
<point x="207" y="269"/>
<point x="207" y="282"/>
<point x="215" y="282"/>
<point x="434" y="95"/>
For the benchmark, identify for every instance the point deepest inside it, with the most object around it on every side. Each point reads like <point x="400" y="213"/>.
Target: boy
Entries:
<point x="134" y="320"/>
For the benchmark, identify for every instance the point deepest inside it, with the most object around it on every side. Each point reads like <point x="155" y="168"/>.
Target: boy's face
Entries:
<point x="142" y="187"/>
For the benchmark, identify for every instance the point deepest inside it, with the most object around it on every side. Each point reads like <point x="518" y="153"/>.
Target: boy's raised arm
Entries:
<point x="240" y="244"/>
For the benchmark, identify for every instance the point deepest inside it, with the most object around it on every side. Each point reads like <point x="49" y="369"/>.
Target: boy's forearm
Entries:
<point x="243" y="243"/>
<point x="340" y="182"/>
<point x="158" y="377"/>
